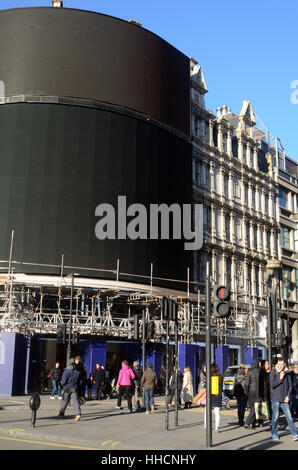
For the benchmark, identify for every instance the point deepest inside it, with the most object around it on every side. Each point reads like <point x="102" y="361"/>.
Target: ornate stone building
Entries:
<point x="288" y="207"/>
<point x="239" y="190"/>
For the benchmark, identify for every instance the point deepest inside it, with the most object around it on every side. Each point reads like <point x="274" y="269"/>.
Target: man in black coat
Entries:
<point x="251" y="388"/>
<point x="79" y="366"/>
<point x="138" y="371"/>
<point x="99" y="381"/>
<point x="239" y="392"/>
<point x="172" y="385"/>
<point x="56" y="374"/>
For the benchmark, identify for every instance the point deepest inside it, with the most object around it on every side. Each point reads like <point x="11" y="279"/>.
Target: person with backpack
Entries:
<point x="70" y="382"/>
<point x="252" y="390"/>
<point x="280" y="392"/>
<point x="216" y="399"/>
<point x="124" y="385"/>
<point x="137" y="385"/>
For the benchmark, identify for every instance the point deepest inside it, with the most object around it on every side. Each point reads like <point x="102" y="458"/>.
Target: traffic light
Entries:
<point x="136" y="334"/>
<point x="221" y="302"/>
<point x="282" y="339"/>
<point x="75" y="337"/>
<point x="61" y="333"/>
<point x="150" y="330"/>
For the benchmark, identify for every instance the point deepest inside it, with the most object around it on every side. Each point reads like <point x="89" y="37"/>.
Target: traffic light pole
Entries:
<point x="176" y="374"/>
<point x="143" y="348"/>
<point x="269" y="330"/>
<point x="167" y="376"/>
<point x="208" y="360"/>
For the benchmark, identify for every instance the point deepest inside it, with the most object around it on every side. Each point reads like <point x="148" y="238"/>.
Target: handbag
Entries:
<point x="262" y="410"/>
<point x="203" y="402"/>
<point x="198" y="398"/>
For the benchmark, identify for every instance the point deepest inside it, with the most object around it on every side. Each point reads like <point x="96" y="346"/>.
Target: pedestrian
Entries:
<point x="216" y="399"/>
<point x="44" y="376"/>
<point x="105" y="390"/>
<point x="148" y="383"/>
<point x="99" y="381"/>
<point x="78" y="364"/>
<point x="89" y="387"/>
<point x="187" y="388"/>
<point x="162" y="380"/>
<point x="251" y="389"/>
<point x="124" y="385"/>
<point x="294" y="394"/>
<point x="239" y="392"/>
<point x="137" y="385"/>
<point x="203" y="379"/>
<point x="172" y="385"/>
<point x="264" y="387"/>
<point x="70" y="382"/>
<point x="56" y="374"/>
<point x="280" y="392"/>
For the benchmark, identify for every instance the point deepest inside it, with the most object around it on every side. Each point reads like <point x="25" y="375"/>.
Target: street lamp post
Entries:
<point x="208" y="359"/>
<point x="287" y="284"/>
<point x="269" y="329"/>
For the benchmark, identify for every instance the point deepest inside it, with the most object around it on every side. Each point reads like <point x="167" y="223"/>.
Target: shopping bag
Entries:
<point x="262" y="410"/>
<point x="198" y="398"/>
<point x="203" y="402"/>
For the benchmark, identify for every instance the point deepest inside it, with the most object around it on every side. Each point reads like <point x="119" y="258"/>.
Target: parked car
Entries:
<point x="229" y="380"/>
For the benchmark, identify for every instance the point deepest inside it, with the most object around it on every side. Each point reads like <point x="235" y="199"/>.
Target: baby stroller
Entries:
<point x="113" y="389"/>
<point x="225" y="401"/>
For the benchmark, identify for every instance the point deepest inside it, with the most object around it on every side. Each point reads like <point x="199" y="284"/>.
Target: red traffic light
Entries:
<point x="221" y="301"/>
<point x="222" y="293"/>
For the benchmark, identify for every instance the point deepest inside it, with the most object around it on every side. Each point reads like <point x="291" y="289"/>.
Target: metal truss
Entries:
<point x="32" y="305"/>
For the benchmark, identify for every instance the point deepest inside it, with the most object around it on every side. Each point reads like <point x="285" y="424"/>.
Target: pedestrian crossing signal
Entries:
<point x="221" y="302"/>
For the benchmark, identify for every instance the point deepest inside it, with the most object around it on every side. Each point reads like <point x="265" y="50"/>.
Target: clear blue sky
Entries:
<point x="248" y="50"/>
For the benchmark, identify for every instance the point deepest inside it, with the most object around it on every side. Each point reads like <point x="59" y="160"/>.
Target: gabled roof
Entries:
<point x="198" y="77"/>
<point x="247" y="112"/>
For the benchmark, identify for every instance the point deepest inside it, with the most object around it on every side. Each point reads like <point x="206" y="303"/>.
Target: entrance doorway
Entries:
<point x="44" y="353"/>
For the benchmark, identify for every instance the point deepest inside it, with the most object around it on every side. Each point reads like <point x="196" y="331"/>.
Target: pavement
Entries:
<point x="103" y="427"/>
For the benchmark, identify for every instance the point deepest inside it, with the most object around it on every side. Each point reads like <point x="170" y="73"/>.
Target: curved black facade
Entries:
<point x="58" y="162"/>
<point x="66" y="52"/>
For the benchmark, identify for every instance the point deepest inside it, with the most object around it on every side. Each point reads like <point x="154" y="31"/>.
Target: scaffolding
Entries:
<point x="106" y="304"/>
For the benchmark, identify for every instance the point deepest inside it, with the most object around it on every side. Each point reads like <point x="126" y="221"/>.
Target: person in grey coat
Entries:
<point x="70" y="382"/>
<point x="172" y="385"/>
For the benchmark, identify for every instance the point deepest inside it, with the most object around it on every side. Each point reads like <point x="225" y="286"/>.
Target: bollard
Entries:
<point x="34" y="404"/>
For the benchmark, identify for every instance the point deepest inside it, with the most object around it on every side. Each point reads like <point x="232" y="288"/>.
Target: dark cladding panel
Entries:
<point x="66" y="52"/>
<point x="59" y="162"/>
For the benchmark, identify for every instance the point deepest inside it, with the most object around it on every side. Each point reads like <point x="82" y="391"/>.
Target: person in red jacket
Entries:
<point x="124" y="385"/>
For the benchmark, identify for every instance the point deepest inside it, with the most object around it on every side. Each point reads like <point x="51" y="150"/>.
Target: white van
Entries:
<point x="229" y="380"/>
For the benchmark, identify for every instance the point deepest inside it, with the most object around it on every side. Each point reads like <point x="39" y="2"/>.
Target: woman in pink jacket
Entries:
<point x="124" y="385"/>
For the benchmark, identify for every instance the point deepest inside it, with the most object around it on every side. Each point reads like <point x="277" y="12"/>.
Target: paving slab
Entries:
<point x="103" y="427"/>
